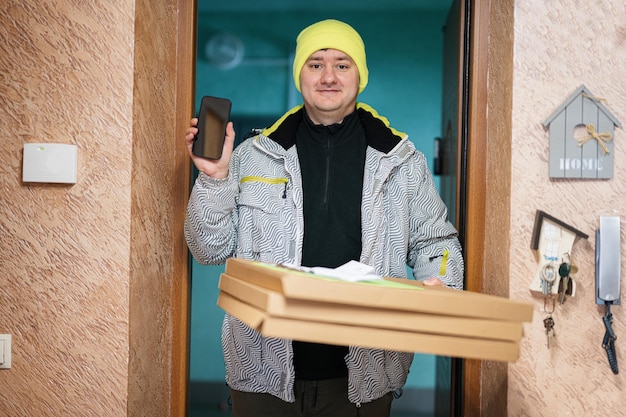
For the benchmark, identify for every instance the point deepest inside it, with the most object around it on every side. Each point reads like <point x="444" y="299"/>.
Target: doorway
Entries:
<point x="244" y="54"/>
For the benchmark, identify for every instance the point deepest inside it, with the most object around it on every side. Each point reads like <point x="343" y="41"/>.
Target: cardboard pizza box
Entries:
<point x="370" y="337"/>
<point x="387" y="293"/>
<point x="276" y="304"/>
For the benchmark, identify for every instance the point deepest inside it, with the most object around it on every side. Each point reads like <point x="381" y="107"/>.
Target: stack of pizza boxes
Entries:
<point x="386" y="313"/>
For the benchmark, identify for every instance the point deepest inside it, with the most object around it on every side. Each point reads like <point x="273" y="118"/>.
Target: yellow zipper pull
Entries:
<point x="444" y="263"/>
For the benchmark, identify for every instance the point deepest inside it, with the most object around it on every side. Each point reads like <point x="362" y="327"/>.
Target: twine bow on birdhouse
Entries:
<point x="602" y="138"/>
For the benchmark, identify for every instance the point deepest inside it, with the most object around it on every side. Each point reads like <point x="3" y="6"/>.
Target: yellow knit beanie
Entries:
<point x="330" y="34"/>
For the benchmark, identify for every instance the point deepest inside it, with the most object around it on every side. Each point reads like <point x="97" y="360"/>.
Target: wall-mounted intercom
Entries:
<point x="608" y="260"/>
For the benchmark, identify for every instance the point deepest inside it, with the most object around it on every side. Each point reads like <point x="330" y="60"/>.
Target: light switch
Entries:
<point x="50" y="162"/>
<point x="5" y="351"/>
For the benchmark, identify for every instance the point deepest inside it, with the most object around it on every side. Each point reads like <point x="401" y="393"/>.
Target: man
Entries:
<point x="329" y="182"/>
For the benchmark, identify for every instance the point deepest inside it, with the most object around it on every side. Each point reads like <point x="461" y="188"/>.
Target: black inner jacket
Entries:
<point x="332" y="159"/>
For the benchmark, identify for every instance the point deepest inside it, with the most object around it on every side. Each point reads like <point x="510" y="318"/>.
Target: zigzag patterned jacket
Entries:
<point x="256" y="213"/>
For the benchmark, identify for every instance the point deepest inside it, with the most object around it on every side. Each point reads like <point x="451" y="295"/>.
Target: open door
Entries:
<point x="453" y="392"/>
<point x="477" y="106"/>
<point x="449" y="389"/>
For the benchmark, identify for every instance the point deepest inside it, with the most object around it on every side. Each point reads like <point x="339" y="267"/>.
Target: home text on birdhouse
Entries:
<point x="581" y="137"/>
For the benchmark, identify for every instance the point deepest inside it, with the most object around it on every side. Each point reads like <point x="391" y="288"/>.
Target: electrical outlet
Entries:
<point x="5" y="351"/>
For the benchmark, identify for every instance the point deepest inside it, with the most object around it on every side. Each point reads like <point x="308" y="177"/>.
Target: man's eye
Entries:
<point x="315" y="66"/>
<point x="342" y="66"/>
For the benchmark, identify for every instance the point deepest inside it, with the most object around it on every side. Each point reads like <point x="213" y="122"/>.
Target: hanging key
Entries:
<point x="564" y="288"/>
<point x="564" y="271"/>
<point x="566" y="284"/>
<point x="548" y="276"/>
<point x="548" y="323"/>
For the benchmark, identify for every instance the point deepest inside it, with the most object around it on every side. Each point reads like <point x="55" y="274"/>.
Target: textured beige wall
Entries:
<point x="85" y="269"/>
<point x="559" y="45"/>
<point x="67" y="77"/>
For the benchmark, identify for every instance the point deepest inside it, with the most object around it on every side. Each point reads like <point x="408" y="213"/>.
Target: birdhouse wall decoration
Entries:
<point x="581" y="137"/>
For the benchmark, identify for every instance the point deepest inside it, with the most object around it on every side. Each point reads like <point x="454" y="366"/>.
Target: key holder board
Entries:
<point x="551" y="239"/>
<point x="581" y="137"/>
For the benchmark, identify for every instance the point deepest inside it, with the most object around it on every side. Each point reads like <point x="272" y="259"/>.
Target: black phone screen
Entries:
<point x="212" y="119"/>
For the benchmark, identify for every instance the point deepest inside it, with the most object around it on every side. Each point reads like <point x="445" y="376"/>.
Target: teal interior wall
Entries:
<point x="404" y="53"/>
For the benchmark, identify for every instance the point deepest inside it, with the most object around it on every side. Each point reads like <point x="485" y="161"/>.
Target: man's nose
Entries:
<point x="329" y="76"/>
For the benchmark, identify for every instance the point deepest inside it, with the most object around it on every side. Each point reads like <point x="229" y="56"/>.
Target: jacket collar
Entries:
<point x="378" y="133"/>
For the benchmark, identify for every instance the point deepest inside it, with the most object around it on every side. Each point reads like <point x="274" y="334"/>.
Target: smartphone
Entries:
<point x="212" y="120"/>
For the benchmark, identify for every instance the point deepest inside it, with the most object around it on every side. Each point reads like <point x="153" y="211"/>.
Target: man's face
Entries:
<point x="329" y="82"/>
